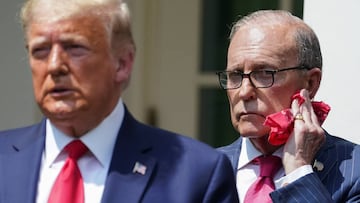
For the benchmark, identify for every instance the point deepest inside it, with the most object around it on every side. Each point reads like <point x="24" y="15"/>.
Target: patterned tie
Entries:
<point x="259" y="191"/>
<point x="69" y="186"/>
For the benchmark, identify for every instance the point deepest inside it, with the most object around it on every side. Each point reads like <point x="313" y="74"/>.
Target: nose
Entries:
<point x="57" y="61"/>
<point x="246" y="90"/>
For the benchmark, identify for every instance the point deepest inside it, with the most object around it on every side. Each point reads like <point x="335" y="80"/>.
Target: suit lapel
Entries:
<point x="326" y="158"/>
<point x="123" y="182"/>
<point x="233" y="152"/>
<point x="127" y="186"/>
<point x="236" y="146"/>
<point x="20" y="168"/>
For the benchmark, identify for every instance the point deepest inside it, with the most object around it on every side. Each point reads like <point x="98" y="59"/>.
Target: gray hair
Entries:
<point x="307" y="43"/>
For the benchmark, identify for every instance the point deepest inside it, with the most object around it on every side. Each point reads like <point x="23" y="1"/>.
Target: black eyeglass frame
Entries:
<point x="247" y="75"/>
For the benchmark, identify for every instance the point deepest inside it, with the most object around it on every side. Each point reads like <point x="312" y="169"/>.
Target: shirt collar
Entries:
<point x="249" y="152"/>
<point x="102" y="150"/>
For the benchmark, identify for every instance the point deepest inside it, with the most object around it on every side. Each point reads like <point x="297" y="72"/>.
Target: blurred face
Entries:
<point x="256" y="48"/>
<point x="76" y="74"/>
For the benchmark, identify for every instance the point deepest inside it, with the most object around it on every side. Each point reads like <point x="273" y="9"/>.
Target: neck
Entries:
<point x="263" y="145"/>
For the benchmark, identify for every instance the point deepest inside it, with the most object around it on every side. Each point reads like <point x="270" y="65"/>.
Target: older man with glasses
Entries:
<point x="273" y="72"/>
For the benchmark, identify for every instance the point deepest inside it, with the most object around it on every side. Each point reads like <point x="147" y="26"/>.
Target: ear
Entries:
<point x="313" y="82"/>
<point x="125" y="61"/>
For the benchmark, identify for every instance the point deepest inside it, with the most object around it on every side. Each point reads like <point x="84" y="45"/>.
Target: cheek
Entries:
<point x="38" y="90"/>
<point x="39" y="68"/>
<point x="232" y="103"/>
<point x="231" y="97"/>
<point x="38" y="78"/>
<point x="279" y="98"/>
<point x="97" y="80"/>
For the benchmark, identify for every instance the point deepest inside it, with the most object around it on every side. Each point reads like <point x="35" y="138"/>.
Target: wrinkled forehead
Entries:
<point x="270" y="33"/>
<point x="268" y="43"/>
<point x="274" y="36"/>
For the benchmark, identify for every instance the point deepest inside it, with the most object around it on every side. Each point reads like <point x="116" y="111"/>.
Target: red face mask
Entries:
<point x="282" y="123"/>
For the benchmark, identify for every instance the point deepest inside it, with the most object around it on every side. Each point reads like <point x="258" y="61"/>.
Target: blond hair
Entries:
<point x="114" y="14"/>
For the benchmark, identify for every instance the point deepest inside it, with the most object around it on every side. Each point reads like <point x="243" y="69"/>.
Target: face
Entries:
<point x="256" y="48"/>
<point x="76" y="74"/>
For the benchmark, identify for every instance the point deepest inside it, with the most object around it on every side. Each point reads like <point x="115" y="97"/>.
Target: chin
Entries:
<point x="250" y="126"/>
<point x="253" y="135"/>
<point x="58" y="112"/>
<point x="253" y="131"/>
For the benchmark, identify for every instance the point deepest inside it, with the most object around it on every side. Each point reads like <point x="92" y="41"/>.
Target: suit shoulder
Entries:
<point x="233" y="146"/>
<point x="343" y="148"/>
<point x="21" y="136"/>
<point x="19" y="130"/>
<point x="339" y="142"/>
<point x="168" y="140"/>
<point x="14" y="131"/>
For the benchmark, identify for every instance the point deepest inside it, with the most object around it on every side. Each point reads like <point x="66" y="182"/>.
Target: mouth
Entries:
<point x="60" y="91"/>
<point x="245" y="115"/>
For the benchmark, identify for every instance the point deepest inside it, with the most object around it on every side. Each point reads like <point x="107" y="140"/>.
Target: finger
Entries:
<point x="295" y="108"/>
<point x="306" y="108"/>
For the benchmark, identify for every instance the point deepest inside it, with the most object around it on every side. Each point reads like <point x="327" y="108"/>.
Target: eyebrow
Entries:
<point x="63" y="38"/>
<point x="70" y="37"/>
<point x="36" y="40"/>
<point x="260" y="66"/>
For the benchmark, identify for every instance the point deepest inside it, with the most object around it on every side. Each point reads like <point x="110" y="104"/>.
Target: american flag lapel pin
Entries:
<point x="139" y="168"/>
<point x="318" y="165"/>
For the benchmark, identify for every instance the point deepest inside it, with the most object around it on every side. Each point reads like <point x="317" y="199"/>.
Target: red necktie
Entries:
<point x="69" y="186"/>
<point x="259" y="191"/>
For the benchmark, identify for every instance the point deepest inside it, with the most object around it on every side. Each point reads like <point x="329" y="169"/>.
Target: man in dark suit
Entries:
<point x="274" y="65"/>
<point x="81" y="54"/>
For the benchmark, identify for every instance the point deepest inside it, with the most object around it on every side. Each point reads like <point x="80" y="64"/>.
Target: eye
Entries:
<point x="74" y="49"/>
<point x="40" y="52"/>
<point x="235" y="73"/>
<point x="268" y="72"/>
<point x="264" y="73"/>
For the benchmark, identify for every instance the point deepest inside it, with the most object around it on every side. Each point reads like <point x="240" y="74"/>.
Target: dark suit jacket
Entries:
<point x="178" y="169"/>
<point x="338" y="181"/>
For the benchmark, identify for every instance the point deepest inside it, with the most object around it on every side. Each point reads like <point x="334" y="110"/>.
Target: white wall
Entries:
<point x="166" y="78"/>
<point x="336" y="24"/>
<point x="17" y="106"/>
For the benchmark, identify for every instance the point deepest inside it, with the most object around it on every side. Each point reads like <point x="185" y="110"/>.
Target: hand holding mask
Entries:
<point x="282" y="123"/>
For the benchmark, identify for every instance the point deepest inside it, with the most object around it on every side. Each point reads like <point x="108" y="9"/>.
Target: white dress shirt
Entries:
<point x="248" y="172"/>
<point x="93" y="165"/>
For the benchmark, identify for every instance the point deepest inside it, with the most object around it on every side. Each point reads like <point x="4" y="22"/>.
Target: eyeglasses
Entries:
<point x="258" y="78"/>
